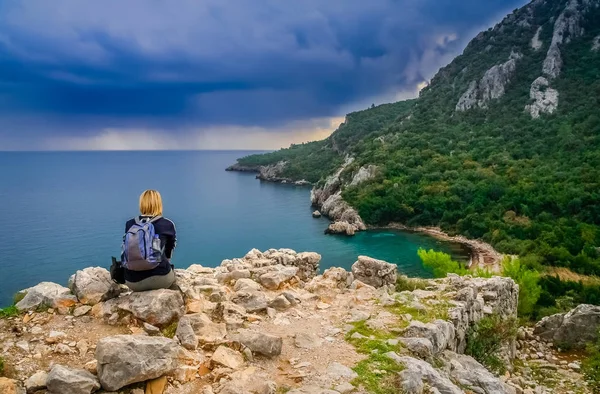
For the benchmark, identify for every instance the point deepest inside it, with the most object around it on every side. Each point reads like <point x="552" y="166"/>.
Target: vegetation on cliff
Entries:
<point x="527" y="185"/>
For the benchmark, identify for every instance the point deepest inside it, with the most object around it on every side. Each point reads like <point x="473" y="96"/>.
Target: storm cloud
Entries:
<point x="74" y="70"/>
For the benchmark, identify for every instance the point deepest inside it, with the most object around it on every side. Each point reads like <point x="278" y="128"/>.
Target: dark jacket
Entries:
<point x="165" y="229"/>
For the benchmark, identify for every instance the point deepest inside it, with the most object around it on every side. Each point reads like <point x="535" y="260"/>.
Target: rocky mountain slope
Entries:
<point x="267" y="323"/>
<point x="502" y="145"/>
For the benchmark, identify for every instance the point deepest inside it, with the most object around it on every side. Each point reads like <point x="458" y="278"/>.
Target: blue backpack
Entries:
<point x="142" y="249"/>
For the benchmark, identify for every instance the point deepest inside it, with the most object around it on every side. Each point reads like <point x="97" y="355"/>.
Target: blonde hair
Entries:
<point x="151" y="203"/>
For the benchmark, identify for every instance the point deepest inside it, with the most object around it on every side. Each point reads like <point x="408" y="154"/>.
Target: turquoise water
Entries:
<point x="66" y="211"/>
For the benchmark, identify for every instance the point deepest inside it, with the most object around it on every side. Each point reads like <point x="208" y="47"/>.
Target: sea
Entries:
<point x="64" y="211"/>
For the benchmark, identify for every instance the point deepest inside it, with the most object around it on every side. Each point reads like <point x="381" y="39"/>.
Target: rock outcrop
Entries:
<point x="266" y="318"/>
<point x="93" y="285"/>
<point x="566" y="27"/>
<point x="376" y="273"/>
<point x="328" y="199"/>
<point x="491" y="86"/>
<point x="536" y="43"/>
<point x="544" y="99"/>
<point x="364" y="174"/>
<point x="63" y="380"/>
<point x="596" y="44"/>
<point x="46" y="294"/>
<point x="573" y="329"/>
<point x="126" y="359"/>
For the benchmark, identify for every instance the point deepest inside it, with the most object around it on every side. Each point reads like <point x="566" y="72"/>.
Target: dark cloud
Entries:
<point x="256" y="62"/>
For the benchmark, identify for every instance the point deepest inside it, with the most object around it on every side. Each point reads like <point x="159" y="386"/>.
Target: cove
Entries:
<point x="64" y="211"/>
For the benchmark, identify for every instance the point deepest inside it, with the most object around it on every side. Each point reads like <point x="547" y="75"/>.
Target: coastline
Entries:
<point x="483" y="255"/>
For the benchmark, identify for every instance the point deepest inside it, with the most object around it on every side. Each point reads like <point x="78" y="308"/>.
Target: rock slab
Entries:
<point x="63" y="380"/>
<point x="127" y="359"/>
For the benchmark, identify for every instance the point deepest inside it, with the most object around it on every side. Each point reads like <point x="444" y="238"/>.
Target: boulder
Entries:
<point x="46" y="294"/>
<point x="186" y="335"/>
<point x="252" y="301"/>
<point x="316" y="214"/>
<point x="376" y="273"/>
<point x="245" y="284"/>
<point x="307" y="341"/>
<point x="574" y="329"/>
<point x="440" y="333"/>
<point x="340" y="227"/>
<point x="228" y="357"/>
<point x="473" y="376"/>
<point x="281" y="303"/>
<point x="422" y="347"/>
<point x="416" y="372"/>
<point x="308" y="265"/>
<point x="156" y="307"/>
<point x="36" y="382"/>
<point x="93" y="285"/>
<point x="205" y="331"/>
<point x="274" y="279"/>
<point x="260" y="343"/>
<point x="127" y="359"/>
<point x="63" y="380"/>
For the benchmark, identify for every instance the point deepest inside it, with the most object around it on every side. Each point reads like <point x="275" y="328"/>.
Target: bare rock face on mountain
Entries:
<point x="491" y="86"/>
<point x="575" y="328"/>
<point x="328" y="198"/>
<point x="566" y="27"/>
<point x="271" y="172"/>
<point x="364" y="174"/>
<point x="536" y="43"/>
<point x="596" y="44"/>
<point x="544" y="98"/>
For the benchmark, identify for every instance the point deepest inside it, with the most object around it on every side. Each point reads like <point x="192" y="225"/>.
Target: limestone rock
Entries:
<point x="228" y="358"/>
<point x="281" y="303"/>
<point x="127" y="359"/>
<point x="472" y="375"/>
<point x="544" y="99"/>
<point x="340" y="227"/>
<point x="566" y="27"/>
<point x="364" y="174"/>
<point x="245" y="284"/>
<point x="596" y="44"/>
<point x="260" y="343"/>
<point x="205" y="330"/>
<point x="339" y="372"/>
<point x="536" y="43"/>
<point x="316" y="214"/>
<point x="252" y="301"/>
<point x="417" y="371"/>
<point x="440" y="333"/>
<point x="274" y="279"/>
<point x="82" y="310"/>
<point x="93" y="285"/>
<point x="376" y="273"/>
<point x="46" y="294"/>
<point x="490" y="87"/>
<point x="575" y="328"/>
<point x="36" y="382"/>
<point x="156" y="307"/>
<point x="186" y="335"/>
<point x="69" y="380"/>
<point x="422" y="347"/>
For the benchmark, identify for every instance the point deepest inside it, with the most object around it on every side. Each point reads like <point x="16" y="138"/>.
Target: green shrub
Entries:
<point x="591" y="365"/>
<point x="1" y="365"/>
<point x="528" y="281"/>
<point x="9" y="312"/>
<point x="440" y="263"/>
<point x="485" y="339"/>
<point x="405" y="283"/>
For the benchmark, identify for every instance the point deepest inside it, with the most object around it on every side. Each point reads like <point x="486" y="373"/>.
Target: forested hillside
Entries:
<point x="503" y="145"/>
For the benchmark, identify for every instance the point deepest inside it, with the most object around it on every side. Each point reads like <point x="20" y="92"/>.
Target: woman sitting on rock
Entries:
<point x="148" y="246"/>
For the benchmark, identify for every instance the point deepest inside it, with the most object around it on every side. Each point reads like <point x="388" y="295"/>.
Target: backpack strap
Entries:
<point x="139" y="221"/>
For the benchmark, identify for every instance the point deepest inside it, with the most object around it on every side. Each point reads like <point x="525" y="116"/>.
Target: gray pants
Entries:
<point x="153" y="282"/>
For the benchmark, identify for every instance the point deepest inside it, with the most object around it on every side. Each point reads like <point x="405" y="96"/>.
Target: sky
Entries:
<point x="215" y="74"/>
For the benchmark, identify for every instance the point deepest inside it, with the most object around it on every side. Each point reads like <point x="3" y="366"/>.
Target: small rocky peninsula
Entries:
<point x="269" y="323"/>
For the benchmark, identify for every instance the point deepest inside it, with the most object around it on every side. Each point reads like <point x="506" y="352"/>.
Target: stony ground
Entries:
<point x="264" y="324"/>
